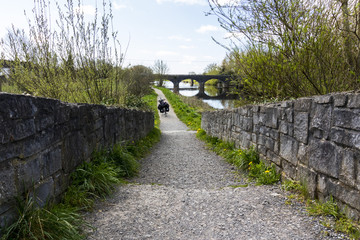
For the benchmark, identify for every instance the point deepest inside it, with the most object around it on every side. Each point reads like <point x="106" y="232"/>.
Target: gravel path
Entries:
<point x="183" y="192"/>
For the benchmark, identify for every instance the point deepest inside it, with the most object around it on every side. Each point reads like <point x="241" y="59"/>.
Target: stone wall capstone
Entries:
<point x="43" y="140"/>
<point x="314" y="139"/>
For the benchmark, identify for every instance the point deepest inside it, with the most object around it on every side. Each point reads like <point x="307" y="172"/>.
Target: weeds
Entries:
<point x="57" y="222"/>
<point x="339" y="222"/>
<point x="245" y="160"/>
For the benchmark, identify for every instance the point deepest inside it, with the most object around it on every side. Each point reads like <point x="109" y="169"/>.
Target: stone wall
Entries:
<point x="43" y="140"/>
<point x="315" y="140"/>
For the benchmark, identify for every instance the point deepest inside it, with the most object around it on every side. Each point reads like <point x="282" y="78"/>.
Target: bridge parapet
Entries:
<point x="201" y="79"/>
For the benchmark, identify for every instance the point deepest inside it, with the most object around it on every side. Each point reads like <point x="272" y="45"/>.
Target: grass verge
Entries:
<point x="90" y="181"/>
<point x="245" y="160"/>
<point x="188" y="115"/>
<point x="335" y="218"/>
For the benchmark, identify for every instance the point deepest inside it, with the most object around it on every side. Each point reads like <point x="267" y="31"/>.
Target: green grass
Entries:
<point x="57" y="222"/>
<point x="188" y="115"/>
<point x="339" y="221"/>
<point x="246" y="160"/>
<point x="335" y="218"/>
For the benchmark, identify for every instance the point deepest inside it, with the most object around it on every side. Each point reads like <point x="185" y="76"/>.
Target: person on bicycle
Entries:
<point x="163" y="106"/>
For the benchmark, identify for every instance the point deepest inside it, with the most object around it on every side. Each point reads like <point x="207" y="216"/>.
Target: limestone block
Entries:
<point x="62" y="114"/>
<point x="345" y="137"/>
<point x="303" y="104"/>
<point x="270" y="144"/>
<point x="340" y="100"/>
<point x="301" y="126"/>
<point x="348" y="166"/>
<point x="354" y="100"/>
<point x="273" y="157"/>
<point x="61" y="183"/>
<point x="289" y="148"/>
<point x="51" y="162"/>
<point x="322" y="185"/>
<point x="23" y="128"/>
<point x="309" y="177"/>
<point x="323" y="99"/>
<point x="14" y="106"/>
<point x="44" y="191"/>
<point x="272" y="116"/>
<point x="7" y="182"/>
<point x="44" y="121"/>
<point x="8" y="214"/>
<point x="347" y="119"/>
<point x="321" y="119"/>
<point x="283" y="127"/>
<point x="247" y="124"/>
<point x="72" y="151"/>
<point x="28" y="172"/>
<point x="289" y="169"/>
<point x="344" y="193"/>
<point x="303" y="154"/>
<point x="39" y="142"/>
<point x="289" y="112"/>
<point x="9" y="151"/>
<point x="245" y="139"/>
<point x="325" y="157"/>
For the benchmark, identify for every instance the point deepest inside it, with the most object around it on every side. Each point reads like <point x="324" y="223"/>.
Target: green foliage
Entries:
<point x="330" y="208"/>
<point x="74" y="60"/>
<point x="58" y="222"/>
<point x="196" y="104"/>
<point x="297" y="187"/>
<point x="151" y="101"/>
<point x="245" y="160"/>
<point x="95" y="179"/>
<point x="188" y="115"/>
<point x="291" y="48"/>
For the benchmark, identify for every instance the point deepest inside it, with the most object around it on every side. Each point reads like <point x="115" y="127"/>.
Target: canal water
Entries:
<point x="189" y="91"/>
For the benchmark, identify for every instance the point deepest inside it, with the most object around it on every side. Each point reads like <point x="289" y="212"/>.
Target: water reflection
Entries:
<point x="212" y="91"/>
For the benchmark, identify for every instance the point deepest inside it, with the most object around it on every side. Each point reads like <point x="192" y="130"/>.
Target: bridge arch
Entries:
<point x="201" y="79"/>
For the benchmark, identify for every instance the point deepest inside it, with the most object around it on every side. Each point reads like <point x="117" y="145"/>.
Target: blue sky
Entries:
<point x="175" y="31"/>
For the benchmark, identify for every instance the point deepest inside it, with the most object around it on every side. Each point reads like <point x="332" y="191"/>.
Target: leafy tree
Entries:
<point x="291" y="48"/>
<point x="160" y="68"/>
<point x="212" y="69"/>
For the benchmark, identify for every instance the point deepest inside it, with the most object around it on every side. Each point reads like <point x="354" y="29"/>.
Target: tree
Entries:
<point x="212" y="69"/>
<point x="160" y="69"/>
<point x="291" y="48"/>
<point x="73" y="60"/>
<point x="140" y="78"/>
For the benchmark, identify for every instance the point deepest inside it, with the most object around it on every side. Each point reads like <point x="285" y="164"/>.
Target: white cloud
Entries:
<point x="179" y="38"/>
<point x="189" y="2"/>
<point x="187" y="59"/>
<point x="119" y="6"/>
<point x="166" y="53"/>
<point x="86" y="9"/>
<point x="208" y="28"/>
<point x="186" y="46"/>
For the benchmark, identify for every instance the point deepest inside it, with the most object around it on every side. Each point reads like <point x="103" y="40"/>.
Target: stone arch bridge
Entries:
<point x="201" y="79"/>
